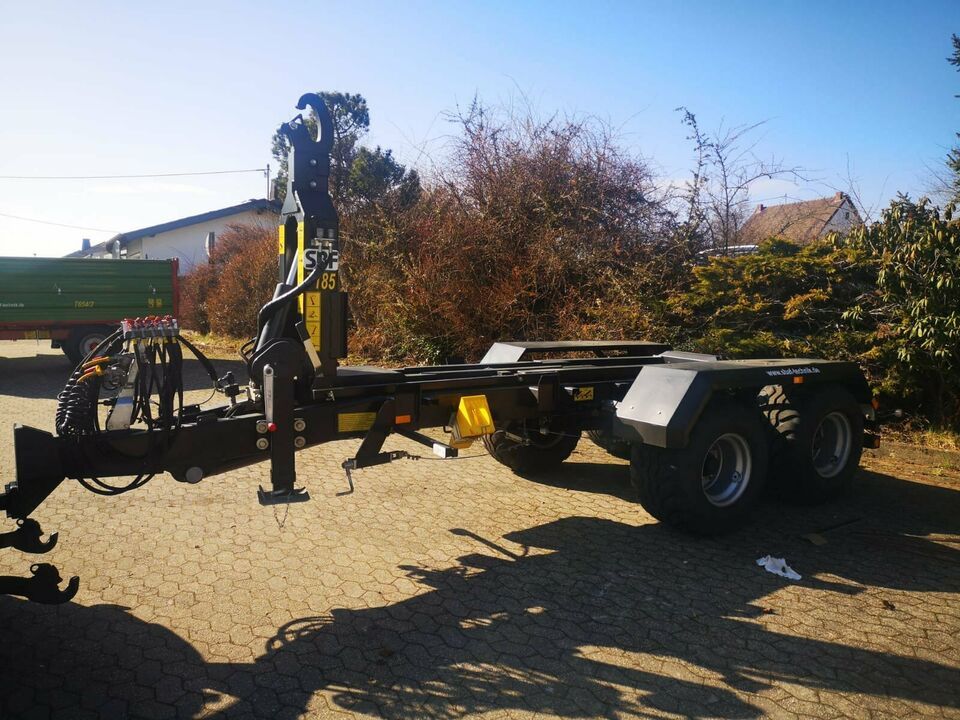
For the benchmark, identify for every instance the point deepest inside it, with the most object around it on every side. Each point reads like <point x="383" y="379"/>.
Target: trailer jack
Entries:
<point x="282" y="497"/>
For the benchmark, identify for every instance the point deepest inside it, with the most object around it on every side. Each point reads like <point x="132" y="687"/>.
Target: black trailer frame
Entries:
<point x="627" y="394"/>
<point x="640" y="393"/>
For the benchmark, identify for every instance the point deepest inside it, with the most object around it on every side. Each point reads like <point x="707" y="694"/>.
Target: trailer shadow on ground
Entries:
<point x="577" y="617"/>
<point x="608" y="478"/>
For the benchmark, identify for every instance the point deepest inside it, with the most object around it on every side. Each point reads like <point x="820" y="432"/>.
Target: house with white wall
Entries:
<point x="188" y="239"/>
<point x="801" y="222"/>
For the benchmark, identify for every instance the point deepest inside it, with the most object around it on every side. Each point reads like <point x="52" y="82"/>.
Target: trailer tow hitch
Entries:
<point x="26" y="538"/>
<point x="43" y="585"/>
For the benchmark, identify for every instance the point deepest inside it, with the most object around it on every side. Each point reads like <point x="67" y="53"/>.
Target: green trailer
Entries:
<point x="76" y="302"/>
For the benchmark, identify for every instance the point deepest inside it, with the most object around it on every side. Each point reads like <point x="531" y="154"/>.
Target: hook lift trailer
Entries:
<point x="702" y="434"/>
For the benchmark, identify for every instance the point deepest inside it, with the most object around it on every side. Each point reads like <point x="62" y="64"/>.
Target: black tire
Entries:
<point x="777" y="407"/>
<point x="82" y="340"/>
<point x="817" y="446"/>
<point x="673" y="484"/>
<point x="613" y="445"/>
<point x="542" y="454"/>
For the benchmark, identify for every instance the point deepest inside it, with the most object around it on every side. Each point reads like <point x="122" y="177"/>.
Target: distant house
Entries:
<point x="801" y="222"/>
<point x="189" y="239"/>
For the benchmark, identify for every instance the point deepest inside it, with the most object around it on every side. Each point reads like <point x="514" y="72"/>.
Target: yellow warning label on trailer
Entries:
<point x="355" y="422"/>
<point x="582" y="393"/>
<point x="300" y="249"/>
<point x="311" y="315"/>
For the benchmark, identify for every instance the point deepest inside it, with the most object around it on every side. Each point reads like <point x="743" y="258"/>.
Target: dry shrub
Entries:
<point x="225" y="295"/>
<point x="517" y="238"/>
<point x="532" y="229"/>
<point x="195" y="288"/>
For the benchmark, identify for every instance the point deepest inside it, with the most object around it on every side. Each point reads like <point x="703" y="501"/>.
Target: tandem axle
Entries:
<point x="702" y="433"/>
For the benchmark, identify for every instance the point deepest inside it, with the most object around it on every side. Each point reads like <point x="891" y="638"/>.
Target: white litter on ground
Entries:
<point x="778" y="566"/>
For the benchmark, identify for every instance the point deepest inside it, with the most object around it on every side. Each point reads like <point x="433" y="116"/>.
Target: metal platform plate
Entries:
<point x="511" y="352"/>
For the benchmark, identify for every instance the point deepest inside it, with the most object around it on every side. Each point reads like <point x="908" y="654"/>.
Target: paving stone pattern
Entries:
<point x="448" y="589"/>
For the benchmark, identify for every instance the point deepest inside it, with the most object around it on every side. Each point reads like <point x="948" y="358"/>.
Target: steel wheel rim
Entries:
<point x="726" y="469"/>
<point x="89" y="343"/>
<point x="832" y="441"/>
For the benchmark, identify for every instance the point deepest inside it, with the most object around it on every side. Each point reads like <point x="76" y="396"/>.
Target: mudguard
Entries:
<point x="665" y="401"/>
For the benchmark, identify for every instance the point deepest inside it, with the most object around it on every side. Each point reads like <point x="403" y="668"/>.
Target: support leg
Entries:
<point x="279" y="400"/>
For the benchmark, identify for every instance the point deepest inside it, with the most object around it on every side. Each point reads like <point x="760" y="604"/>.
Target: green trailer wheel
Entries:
<point x="82" y="341"/>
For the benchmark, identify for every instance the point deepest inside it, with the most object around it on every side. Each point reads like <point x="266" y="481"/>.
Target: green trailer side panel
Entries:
<point x="51" y="290"/>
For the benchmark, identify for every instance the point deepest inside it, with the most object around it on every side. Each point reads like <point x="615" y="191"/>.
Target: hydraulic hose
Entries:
<point x="274" y="306"/>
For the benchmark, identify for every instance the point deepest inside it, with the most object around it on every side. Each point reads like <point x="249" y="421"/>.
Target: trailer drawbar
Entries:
<point x="703" y="435"/>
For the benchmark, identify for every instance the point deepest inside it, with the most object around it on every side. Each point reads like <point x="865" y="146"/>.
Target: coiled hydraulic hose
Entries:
<point x="77" y="402"/>
<point x="158" y="397"/>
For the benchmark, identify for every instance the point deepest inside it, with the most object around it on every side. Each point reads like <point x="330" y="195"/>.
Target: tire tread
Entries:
<point x="793" y="477"/>
<point x="614" y="446"/>
<point x="530" y="459"/>
<point x="663" y="481"/>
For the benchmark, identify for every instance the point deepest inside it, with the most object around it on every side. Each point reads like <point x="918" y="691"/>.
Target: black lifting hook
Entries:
<point x="324" y="141"/>
<point x="309" y="164"/>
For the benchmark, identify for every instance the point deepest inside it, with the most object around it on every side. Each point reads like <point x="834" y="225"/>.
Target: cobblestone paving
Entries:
<point x="452" y="589"/>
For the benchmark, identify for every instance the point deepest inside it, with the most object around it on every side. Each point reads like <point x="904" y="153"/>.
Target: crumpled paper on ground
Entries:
<point x="778" y="566"/>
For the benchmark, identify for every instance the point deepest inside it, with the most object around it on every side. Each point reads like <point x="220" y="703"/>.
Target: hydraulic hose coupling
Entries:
<point x="151" y="326"/>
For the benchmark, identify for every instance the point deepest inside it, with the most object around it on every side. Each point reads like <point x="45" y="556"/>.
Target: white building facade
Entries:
<point x="188" y="239"/>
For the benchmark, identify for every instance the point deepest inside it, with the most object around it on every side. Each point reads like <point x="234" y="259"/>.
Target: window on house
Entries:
<point x="846" y="214"/>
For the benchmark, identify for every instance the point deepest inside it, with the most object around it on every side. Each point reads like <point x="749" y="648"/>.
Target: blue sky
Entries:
<point x="102" y="88"/>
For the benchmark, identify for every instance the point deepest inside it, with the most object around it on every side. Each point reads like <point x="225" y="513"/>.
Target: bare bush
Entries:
<point x="225" y="295"/>
<point x="726" y="166"/>
<point x="516" y="238"/>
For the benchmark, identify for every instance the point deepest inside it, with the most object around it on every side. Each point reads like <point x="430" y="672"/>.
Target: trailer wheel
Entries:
<point x="613" y="445"/>
<point x="817" y="447"/>
<point x="710" y="486"/>
<point x="82" y="341"/>
<point x="542" y="454"/>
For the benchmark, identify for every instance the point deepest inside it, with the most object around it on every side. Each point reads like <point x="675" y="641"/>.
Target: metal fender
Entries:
<point x="665" y="401"/>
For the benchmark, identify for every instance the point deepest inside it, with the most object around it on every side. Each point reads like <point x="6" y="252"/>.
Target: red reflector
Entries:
<point x="403" y="419"/>
<point x="271" y="427"/>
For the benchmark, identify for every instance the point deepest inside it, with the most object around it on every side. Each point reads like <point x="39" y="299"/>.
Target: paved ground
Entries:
<point x="451" y="589"/>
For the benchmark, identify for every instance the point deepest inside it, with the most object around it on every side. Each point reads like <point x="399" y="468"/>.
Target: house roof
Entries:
<point x="125" y="238"/>
<point x="801" y="222"/>
<point x="100" y="247"/>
